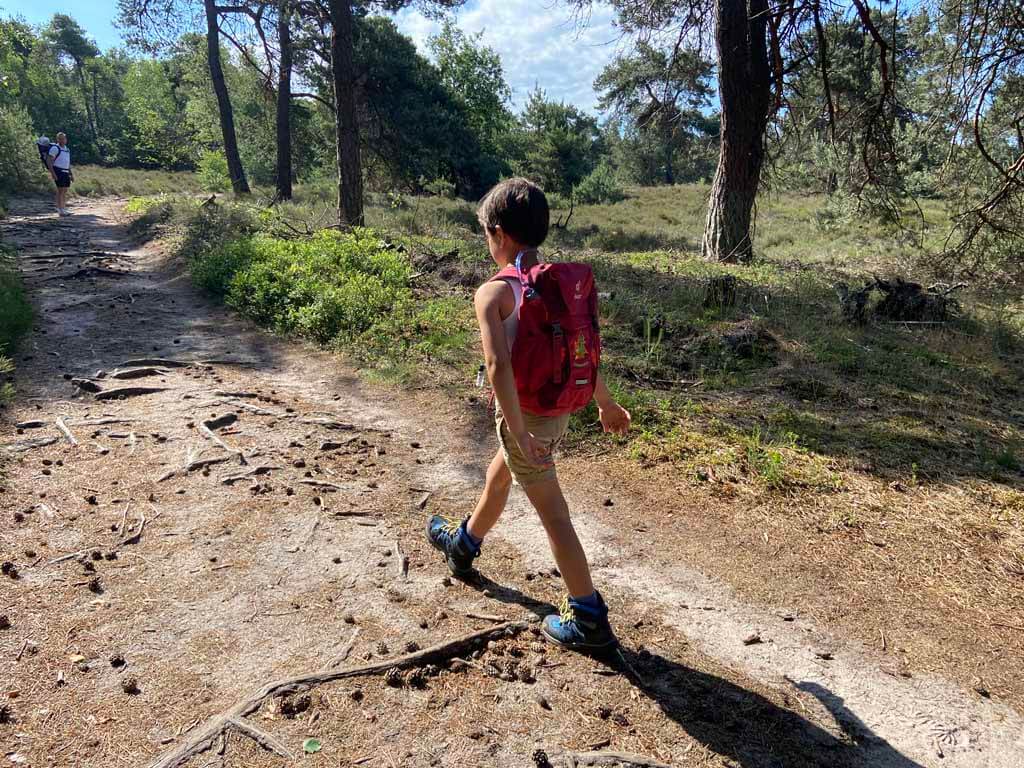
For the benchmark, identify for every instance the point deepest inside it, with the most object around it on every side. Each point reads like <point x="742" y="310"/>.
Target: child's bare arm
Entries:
<point x="499" y="369"/>
<point x="614" y="418"/>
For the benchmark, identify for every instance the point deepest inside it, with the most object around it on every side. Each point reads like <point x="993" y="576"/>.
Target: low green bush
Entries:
<point x="213" y="172"/>
<point x="15" y="319"/>
<point x="350" y="289"/>
<point x="601" y="186"/>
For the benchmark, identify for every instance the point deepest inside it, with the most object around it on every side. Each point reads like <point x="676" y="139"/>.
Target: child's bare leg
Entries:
<point x="546" y="497"/>
<point x="493" y="499"/>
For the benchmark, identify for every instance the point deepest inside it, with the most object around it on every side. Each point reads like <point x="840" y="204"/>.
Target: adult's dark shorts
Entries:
<point x="63" y="177"/>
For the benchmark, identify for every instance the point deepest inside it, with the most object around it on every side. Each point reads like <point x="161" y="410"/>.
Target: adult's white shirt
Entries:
<point x="61" y="157"/>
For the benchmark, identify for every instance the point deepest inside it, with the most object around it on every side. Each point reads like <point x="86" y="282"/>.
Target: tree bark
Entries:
<point x="284" y="98"/>
<point x="744" y="85"/>
<point x="220" y="88"/>
<point x="350" y="179"/>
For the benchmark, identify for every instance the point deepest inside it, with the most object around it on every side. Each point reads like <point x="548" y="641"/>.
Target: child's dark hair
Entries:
<point x="520" y="208"/>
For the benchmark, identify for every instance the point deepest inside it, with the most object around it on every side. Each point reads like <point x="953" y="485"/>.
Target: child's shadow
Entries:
<point x="733" y="721"/>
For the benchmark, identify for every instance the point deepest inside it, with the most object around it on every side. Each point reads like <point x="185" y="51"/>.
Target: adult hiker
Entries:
<point x="58" y="161"/>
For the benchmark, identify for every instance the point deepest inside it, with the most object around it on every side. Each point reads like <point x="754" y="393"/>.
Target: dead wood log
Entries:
<point x="28" y="445"/>
<point x="30" y="425"/>
<point x="63" y="427"/>
<point x="204" y="737"/>
<point x="124" y="392"/>
<point x="138" y="373"/>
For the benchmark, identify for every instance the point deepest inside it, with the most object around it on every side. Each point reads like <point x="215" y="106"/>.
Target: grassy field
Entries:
<point x="831" y="395"/>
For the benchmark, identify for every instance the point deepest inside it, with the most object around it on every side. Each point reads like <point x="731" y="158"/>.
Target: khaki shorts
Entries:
<point x="549" y="431"/>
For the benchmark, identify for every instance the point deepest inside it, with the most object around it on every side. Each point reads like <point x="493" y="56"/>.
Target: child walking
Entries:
<point x="533" y="413"/>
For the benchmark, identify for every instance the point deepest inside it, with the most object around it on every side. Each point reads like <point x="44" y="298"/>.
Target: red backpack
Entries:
<point x="557" y="347"/>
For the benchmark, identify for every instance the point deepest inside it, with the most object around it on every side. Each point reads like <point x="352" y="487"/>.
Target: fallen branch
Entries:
<point x="125" y="392"/>
<point x="63" y="427"/>
<point x="204" y="737"/>
<point x="30" y="425"/>
<point x="485" y="617"/>
<point x="134" y="538"/>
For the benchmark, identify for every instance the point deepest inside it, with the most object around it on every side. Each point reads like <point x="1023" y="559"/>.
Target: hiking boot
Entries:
<point x="445" y="533"/>
<point x="580" y="627"/>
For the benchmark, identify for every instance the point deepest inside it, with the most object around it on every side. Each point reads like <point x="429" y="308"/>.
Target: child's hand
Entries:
<point x="534" y="451"/>
<point x="615" y="419"/>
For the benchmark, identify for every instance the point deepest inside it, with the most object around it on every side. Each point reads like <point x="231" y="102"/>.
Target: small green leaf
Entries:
<point x="309" y="746"/>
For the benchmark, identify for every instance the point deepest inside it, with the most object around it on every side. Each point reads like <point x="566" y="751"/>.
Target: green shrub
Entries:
<point x="20" y="169"/>
<point x="601" y="186"/>
<point x="15" y="319"/>
<point x="213" y="172"/>
<point x="438" y="188"/>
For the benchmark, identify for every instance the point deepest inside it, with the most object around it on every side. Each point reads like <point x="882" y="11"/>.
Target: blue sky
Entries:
<point x="538" y="41"/>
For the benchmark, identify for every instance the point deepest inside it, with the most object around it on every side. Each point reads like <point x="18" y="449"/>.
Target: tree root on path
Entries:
<point x="204" y="737"/>
<point x="191" y="466"/>
<point x="28" y="445"/>
<point x="137" y="373"/>
<point x="123" y="392"/>
<point x="621" y="759"/>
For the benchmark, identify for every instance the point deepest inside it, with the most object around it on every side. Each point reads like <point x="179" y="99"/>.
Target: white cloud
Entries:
<point x="539" y="43"/>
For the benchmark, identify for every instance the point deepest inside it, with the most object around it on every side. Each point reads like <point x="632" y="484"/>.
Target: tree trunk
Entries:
<point x="350" y="179"/>
<point x="80" y="67"/>
<point x="670" y="172"/>
<point x="220" y="88"/>
<point x="744" y="85"/>
<point x="284" y="99"/>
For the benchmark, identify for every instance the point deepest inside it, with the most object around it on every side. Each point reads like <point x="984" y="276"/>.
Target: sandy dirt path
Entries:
<point x="192" y="508"/>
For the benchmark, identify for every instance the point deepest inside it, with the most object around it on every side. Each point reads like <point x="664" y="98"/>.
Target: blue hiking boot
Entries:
<point x="448" y="535"/>
<point x="580" y="627"/>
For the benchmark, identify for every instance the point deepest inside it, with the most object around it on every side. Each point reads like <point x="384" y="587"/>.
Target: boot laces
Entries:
<point x="451" y="525"/>
<point x="565" y="611"/>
